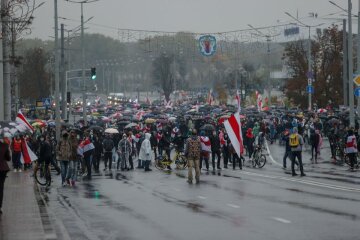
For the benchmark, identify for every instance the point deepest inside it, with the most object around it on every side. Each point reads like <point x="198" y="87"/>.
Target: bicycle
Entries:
<point x="164" y="162"/>
<point x="259" y="159"/>
<point x="42" y="174"/>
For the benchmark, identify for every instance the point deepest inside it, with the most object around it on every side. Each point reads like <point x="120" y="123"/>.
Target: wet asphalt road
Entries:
<point x="251" y="203"/>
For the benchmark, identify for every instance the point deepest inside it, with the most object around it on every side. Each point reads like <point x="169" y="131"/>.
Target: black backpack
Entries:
<point x="108" y="145"/>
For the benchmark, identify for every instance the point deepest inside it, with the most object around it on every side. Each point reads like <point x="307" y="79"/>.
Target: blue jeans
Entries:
<point x="64" y="170"/>
<point x="72" y="173"/>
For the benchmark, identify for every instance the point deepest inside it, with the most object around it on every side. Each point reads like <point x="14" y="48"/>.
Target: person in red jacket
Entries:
<point x="16" y="147"/>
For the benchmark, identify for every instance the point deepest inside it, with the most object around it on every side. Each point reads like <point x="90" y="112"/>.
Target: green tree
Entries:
<point x="326" y="54"/>
<point x="162" y="74"/>
<point x="34" y="80"/>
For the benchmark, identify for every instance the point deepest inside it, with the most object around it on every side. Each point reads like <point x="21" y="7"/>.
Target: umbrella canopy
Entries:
<point x="111" y="130"/>
<point x="172" y="119"/>
<point x="208" y="127"/>
<point x="150" y="121"/>
<point x="96" y="128"/>
<point x="131" y="125"/>
<point x="321" y="110"/>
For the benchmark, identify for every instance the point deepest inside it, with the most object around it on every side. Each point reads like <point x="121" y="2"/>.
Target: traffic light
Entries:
<point x="68" y="97"/>
<point x="93" y="73"/>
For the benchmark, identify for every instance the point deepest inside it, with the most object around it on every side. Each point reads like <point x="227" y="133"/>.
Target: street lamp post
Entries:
<point x="83" y="56"/>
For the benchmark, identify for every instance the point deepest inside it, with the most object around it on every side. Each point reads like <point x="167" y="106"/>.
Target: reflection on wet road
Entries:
<point x="228" y="204"/>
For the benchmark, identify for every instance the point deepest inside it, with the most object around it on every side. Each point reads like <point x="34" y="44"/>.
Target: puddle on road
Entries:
<point x="195" y="207"/>
<point x="91" y="192"/>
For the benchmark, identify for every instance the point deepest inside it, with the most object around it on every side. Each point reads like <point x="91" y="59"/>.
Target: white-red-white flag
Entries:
<point x="259" y="101"/>
<point x="205" y="144"/>
<point x="210" y="98"/>
<point x="233" y="129"/>
<point x="21" y="119"/>
<point x="238" y="100"/>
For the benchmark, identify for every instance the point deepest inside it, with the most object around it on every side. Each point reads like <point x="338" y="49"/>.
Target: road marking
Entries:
<point x="308" y="182"/>
<point x="177" y="190"/>
<point x="233" y="205"/>
<point x="281" y="220"/>
<point x="270" y="156"/>
<point x="202" y="197"/>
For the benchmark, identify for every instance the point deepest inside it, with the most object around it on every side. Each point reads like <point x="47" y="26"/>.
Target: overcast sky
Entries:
<point x="181" y="15"/>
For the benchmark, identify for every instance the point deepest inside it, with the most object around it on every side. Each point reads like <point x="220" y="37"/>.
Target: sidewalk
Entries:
<point x="24" y="213"/>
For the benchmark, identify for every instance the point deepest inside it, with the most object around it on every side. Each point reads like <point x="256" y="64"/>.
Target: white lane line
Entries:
<point x="308" y="182"/>
<point x="177" y="190"/>
<point x="270" y="156"/>
<point x="233" y="205"/>
<point x="282" y="220"/>
<point x="202" y="197"/>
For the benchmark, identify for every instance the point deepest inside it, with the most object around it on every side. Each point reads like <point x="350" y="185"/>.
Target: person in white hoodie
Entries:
<point x="145" y="152"/>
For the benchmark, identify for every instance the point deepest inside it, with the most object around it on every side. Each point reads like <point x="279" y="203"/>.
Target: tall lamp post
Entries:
<point x="310" y="74"/>
<point x="83" y="55"/>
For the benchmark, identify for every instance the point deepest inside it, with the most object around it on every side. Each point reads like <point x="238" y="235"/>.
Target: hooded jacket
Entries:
<point x="145" y="149"/>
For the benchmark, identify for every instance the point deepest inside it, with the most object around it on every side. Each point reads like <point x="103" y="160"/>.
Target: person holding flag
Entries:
<point x="233" y="129"/>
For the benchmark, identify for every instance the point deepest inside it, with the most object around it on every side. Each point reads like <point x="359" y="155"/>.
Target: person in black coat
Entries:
<point x="315" y="141"/>
<point x="97" y="153"/>
<point x="215" y="150"/>
<point x="4" y="168"/>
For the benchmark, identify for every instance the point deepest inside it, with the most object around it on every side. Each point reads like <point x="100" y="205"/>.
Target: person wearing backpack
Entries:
<point x="192" y="153"/>
<point x="296" y="142"/>
<point x="108" y="145"/>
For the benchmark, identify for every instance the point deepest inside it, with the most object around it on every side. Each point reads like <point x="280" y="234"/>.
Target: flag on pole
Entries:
<point x="259" y="102"/>
<point x="21" y="119"/>
<point x="27" y="156"/>
<point x="233" y="129"/>
<point x="238" y="100"/>
<point x="210" y="98"/>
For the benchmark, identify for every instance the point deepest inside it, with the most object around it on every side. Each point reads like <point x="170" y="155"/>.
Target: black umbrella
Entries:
<point x="207" y="127"/>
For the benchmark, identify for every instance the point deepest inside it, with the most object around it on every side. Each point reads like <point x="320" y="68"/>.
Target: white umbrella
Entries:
<point x="172" y="119"/>
<point x="130" y="125"/>
<point x="111" y="130"/>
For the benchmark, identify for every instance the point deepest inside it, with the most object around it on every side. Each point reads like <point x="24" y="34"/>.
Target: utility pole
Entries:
<point x="350" y="67"/>
<point x="358" y="57"/>
<point x="310" y="73"/>
<point x="57" y="77"/>
<point x="62" y="78"/>
<point x="345" y="67"/>
<point x="268" y="70"/>
<point x="2" y="88"/>
<point x="14" y="79"/>
<point x="83" y="65"/>
<point x="6" y="66"/>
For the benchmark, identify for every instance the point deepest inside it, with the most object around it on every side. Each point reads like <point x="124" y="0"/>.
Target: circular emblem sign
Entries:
<point x="207" y="44"/>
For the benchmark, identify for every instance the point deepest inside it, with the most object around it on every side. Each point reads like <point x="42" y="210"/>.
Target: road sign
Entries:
<point x="309" y="81"/>
<point x="357" y="80"/>
<point x="310" y="75"/>
<point x="46" y="101"/>
<point x="310" y="89"/>
<point x="357" y="92"/>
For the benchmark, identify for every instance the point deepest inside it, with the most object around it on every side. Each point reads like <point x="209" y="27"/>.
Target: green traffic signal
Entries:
<point x="93" y="73"/>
